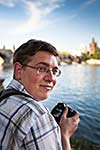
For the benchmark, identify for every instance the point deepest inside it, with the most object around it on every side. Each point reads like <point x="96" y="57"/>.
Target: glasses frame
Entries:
<point x="49" y="70"/>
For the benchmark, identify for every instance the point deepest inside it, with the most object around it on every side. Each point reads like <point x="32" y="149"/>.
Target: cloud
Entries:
<point x="37" y="14"/>
<point x="82" y="7"/>
<point x="34" y="16"/>
<point x="9" y="3"/>
<point x="89" y="2"/>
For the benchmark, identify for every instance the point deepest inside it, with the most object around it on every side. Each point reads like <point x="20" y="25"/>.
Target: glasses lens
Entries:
<point x="56" y="72"/>
<point x="42" y="69"/>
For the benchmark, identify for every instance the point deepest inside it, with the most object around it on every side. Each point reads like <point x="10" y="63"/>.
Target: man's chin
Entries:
<point x="45" y="96"/>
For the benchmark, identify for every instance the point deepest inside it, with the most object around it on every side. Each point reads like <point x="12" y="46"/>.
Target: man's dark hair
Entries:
<point x="24" y="53"/>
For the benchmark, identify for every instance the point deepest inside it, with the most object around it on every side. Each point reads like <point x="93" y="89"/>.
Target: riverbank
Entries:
<point x="89" y="62"/>
<point x="93" y="61"/>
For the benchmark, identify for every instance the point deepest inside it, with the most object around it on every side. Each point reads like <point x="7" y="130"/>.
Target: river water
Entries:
<point x="78" y="86"/>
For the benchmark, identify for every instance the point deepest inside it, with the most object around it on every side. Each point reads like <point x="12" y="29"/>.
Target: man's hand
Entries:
<point x="68" y="126"/>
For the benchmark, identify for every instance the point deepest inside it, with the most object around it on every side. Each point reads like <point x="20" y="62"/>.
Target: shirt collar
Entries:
<point x="18" y="86"/>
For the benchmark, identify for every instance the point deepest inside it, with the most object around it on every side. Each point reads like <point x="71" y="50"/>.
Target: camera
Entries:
<point x="58" y="110"/>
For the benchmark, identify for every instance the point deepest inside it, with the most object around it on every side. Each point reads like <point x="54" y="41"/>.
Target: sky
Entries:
<point x="69" y="25"/>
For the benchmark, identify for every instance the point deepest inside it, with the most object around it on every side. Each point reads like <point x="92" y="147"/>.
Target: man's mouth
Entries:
<point x="48" y="87"/>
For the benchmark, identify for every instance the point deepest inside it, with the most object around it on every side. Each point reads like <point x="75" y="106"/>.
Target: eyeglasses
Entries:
<point x="44" y="69"/>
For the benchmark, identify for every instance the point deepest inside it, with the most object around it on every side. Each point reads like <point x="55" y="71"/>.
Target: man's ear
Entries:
<point x="17" y="70"/>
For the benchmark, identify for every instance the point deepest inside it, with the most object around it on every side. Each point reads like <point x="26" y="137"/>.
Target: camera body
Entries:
<point x="58" y="110"/>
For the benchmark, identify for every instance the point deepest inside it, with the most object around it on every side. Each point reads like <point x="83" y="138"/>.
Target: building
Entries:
<point x="93" y="46"/>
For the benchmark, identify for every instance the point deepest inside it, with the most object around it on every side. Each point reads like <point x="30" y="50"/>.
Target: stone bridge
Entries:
<point x="6" y="55"/>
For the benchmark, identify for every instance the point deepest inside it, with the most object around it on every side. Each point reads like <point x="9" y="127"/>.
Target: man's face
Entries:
<point x="39" y="85"/>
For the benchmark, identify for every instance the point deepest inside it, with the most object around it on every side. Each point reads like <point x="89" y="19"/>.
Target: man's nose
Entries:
<point x="50" y="76"/>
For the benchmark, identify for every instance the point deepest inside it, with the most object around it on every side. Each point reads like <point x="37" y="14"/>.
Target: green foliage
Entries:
<point x="96" y="55"/>
<point x="81" y="144"/>
<point x="85" y="56"/>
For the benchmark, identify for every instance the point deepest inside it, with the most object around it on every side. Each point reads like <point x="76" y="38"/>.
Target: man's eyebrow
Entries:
<point x="46" y="64"/>
<point x="42" y="63"/>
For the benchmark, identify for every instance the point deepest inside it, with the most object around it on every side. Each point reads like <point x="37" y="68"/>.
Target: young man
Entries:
<point x="25" y="124"/>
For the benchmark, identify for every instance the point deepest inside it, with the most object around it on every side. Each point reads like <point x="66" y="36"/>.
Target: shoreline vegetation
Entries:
<point x="81" y="144"/>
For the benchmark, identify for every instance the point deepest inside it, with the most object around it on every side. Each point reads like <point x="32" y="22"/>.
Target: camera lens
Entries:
<point x="71" y="112"/>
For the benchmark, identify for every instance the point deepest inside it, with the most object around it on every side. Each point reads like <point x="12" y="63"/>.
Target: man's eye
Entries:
<point x="42" y="69"/>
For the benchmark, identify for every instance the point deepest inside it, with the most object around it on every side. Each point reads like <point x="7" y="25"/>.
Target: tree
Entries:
<point x="96" y="55"/>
